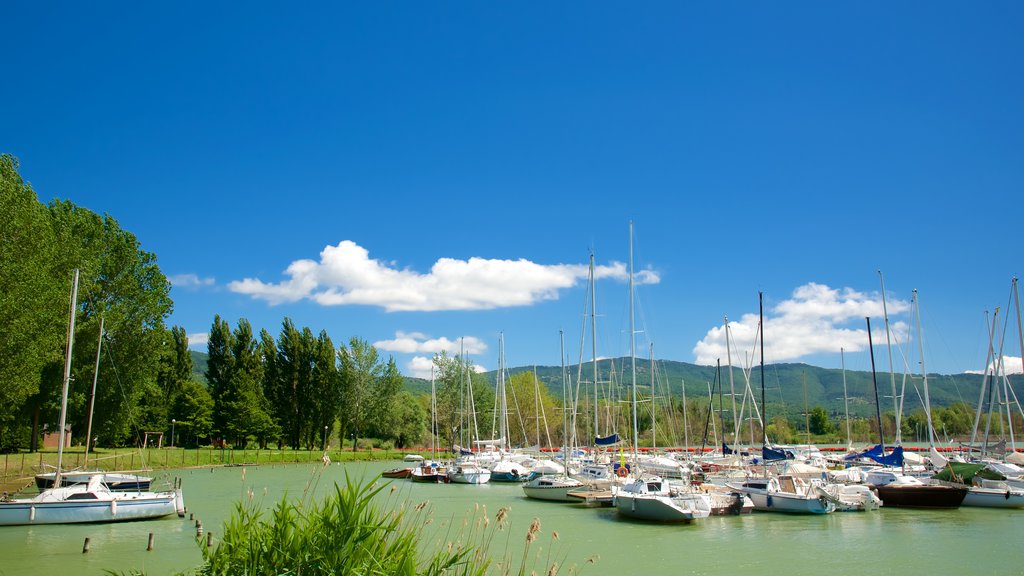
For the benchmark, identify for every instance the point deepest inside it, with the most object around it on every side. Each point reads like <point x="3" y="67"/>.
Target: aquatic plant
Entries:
<point x="360" y="530"/>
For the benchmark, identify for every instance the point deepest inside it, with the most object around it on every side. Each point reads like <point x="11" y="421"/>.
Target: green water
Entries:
<point x="965" y="541"/>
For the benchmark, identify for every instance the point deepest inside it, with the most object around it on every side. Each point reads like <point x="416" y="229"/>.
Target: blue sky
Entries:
<point x="413" y="173"/>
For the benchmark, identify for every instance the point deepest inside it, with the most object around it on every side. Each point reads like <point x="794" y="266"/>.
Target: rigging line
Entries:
<point x="128" y="405"/>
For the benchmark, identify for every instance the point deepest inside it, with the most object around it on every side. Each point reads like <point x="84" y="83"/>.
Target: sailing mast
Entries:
<point x="892" y="374"/>
<point x="632" y="348"/>
<point x="764" y="407"/>
<point x="593" y="344"/>
<point x="874" y="383"/>
<point x="67" y="382"/>
<point x="846" y="400"/>
<point x="924" y="374"/>
<point x="92" y="395"/>
<point x="732" y="388"/>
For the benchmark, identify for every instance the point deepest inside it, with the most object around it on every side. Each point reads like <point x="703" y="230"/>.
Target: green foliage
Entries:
<point x="819" y="421"/>
<point x="455" y="375"/>
<point x="369" y="387"/>
<point x="193" y="414"/>
<point x="33" y="301"/>
<point x="345" y="534"/>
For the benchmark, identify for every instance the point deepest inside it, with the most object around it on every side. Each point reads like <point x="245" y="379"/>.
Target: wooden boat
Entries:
<point x="902" y="491"/>
<point x="398" y="473"/>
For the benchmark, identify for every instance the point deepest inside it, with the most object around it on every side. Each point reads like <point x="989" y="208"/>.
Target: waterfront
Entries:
<point x="889" y="541"/>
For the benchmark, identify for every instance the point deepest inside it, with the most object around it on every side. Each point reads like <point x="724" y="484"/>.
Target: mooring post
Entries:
<point x="149" y="546"/>
<point x="85" y="546"/>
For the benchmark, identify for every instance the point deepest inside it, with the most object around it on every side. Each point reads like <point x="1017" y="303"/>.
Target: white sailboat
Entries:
<point x="92" y="501"/>
<point x="555" y="487"/>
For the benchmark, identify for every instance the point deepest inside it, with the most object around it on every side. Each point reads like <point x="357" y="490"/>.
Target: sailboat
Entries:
<point x="466" y="469"/>
<point x="892" y="486"/>
<point x="556" y="485"/>
<point x="783" y="493"/>
<point x="116" y="481"/>
<point x="649" y="497"/>
<point x="430" y="471"/>
<point x="93" y="501"/>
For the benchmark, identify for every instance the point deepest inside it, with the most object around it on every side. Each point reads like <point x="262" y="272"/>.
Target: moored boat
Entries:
<point x="653" y="499"/>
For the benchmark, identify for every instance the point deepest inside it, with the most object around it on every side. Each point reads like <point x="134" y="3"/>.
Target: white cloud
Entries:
<point x="190" y="281"/>
<point x="1011" y="365"/>
<point x="200" y="339"/>
<point x="346" y="275"/>
<point x="816" y="319"/>
<point x="418" y="343"/>
<point x="420" y="367"/>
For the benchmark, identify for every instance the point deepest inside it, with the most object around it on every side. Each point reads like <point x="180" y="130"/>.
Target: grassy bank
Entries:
<point x="19" y="469"/>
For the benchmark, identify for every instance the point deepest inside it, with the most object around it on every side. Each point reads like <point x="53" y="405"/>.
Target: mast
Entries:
<point x="732" y="388"/>
<point x="686" y="426"/>
<point x="92" y="395"/>
<point x="67" y="381"/>
<point x="892" y="374"/>
<point x="764" y="407"/>
<point x="433" y="416"/>
<point x="846" y="400"/>
<point x="632" y="347"/>
<point x="924" y="373"/>
<point x="874" y="384"/>
<point x="654" y="417"/>
<point x="593" y="342"/>
<point x="1020" y="339"/>
<point x="989" y="364"/>
<point x="565" y="401"/>
<point x="505" y="435"/>
<point x="721" y="409"/>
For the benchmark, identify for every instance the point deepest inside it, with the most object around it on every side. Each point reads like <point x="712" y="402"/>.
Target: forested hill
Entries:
<point x="785" y="384"/>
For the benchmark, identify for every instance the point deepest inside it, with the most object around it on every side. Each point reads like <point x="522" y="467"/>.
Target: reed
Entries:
<point x="361" y="529"/>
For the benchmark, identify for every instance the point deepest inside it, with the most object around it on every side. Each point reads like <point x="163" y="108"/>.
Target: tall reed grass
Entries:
<point x="359" y="529"/>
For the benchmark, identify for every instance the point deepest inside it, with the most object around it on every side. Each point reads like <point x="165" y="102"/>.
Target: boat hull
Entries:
<point x="655" y="508"/>
<point x="82" y="512"/>
<point x="781" y="502"/>
<point x="993" y="498"/>
<point x="397" y="473"/>
<point x="924" y="496"/>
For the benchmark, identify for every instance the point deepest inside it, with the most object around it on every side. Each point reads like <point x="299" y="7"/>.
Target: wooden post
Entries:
<point x="85" y="547"/>
<point x="149" y="546"/>
<point x="209" y="539"/>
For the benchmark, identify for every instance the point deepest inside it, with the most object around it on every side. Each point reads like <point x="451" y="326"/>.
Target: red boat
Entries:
<point x="398" y="473"/>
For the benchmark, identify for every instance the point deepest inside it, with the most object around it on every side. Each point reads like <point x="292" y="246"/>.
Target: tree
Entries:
<point x="819" y="421"/>
<point x="288" y="391"/>
<point x="219" y="368"/>
<point x="34" y="300"/>
<point x="122" y="284"/>
<point x="360" y="367"/>
<point x="454" y="376"/>
<point x="325" y="391"/>
<point x="193" y="413"/>
<point x="407" y="421"/>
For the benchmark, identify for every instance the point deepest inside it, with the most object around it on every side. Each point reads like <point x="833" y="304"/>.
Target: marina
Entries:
<point x="887" y="541"/>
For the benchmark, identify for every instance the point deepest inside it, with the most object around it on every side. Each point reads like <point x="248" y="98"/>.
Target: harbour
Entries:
<point x="595" y="540"/>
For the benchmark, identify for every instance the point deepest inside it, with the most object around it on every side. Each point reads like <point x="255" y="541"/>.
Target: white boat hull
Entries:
<point x="126" y="507"/>
<point x="553" y="489"/>
<point x="657" y="508"/>
<point x="993" y="498"/>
